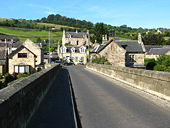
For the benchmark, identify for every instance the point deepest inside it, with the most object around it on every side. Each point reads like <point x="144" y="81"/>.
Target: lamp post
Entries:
<point x="49" y="40"/>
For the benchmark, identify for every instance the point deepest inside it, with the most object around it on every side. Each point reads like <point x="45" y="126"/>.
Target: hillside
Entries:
<point x="32" y="34"/>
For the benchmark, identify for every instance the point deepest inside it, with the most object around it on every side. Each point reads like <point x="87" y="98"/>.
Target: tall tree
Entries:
<point x="100" y="29"/>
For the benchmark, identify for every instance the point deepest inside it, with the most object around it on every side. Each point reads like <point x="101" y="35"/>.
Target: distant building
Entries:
<point x="76" y="38"/>
<point x="74" y="54"/>
<point x="159" y="31"/>
<point x="154" y="51"/>
<point x="121" y="53"/>
<point x="7" y="38"/>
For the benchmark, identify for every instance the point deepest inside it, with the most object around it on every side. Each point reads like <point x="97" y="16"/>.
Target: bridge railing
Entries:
<point x="19" y="100"/>
<point x="154" y="82"/>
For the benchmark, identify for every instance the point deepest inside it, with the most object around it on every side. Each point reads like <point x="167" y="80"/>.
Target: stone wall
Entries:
<point x="19" y="100"/>
<point x="154" y="82"/>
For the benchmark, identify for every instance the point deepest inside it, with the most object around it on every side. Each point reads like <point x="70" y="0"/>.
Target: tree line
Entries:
<point x="62" y="20"/>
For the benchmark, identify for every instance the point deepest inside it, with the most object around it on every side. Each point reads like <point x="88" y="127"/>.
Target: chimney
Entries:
<point x="140" y="42"/>
<point x="139" y="38"/>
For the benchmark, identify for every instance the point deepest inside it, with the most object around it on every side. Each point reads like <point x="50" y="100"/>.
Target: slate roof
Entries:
<point x="131" y="46"/>
<point x="158" y="51"/>
<point x="7" y="37"/>
<point x="19" y="49"/>
<point x="76" y="34"/>
<point x="148" y="47"/>
<point x="14" y="44"/>
<point x="99" y="48"/>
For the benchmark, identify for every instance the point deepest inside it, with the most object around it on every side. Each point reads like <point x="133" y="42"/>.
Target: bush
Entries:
<point x="159" y="68"/>
<point x="101" y="60"/>
<point x="1" y="85"/>
<point x="1" y="76"/>
<point x="20" y="75"/>
<point x="8" y="78"/>
<point x="149" y="63"/>
<point x="163" y="63"/>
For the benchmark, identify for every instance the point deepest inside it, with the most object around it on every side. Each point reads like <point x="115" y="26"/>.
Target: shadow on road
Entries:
<point x="56" y="109"/>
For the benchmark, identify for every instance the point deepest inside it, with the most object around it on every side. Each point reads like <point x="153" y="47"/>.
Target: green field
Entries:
<point x="166" y="38"/>
<point x="31" y="34"/>
<point x="55" y="26"/>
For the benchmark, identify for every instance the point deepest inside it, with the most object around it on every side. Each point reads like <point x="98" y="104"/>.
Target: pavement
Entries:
<point x="56" y="109"/>
<point x="105" y="104"/>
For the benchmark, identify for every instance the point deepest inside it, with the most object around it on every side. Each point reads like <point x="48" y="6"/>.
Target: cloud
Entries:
<point x="46" y="9"/>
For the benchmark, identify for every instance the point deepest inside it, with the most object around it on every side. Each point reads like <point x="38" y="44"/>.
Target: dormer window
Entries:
<point x="22" y="55"/>
<point x="82" y="49"/>
<point x="73" y="50"/>
<point x="63" y="49"/>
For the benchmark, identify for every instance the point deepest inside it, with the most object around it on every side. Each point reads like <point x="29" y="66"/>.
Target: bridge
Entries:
<point x="79" y="97"/>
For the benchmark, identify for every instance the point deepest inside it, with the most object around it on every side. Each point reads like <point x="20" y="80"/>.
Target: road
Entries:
<point x="104" y="104"/>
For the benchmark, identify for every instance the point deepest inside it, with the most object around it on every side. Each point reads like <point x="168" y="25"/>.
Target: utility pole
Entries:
<point x="49" y="38"/>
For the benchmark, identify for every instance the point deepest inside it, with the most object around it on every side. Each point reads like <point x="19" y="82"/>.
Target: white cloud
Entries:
<point x="46" y="9"/>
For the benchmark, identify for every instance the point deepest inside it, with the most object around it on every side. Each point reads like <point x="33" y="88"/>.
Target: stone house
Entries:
<point x="154" y="51"/>
<point x="76" y="38"/>
<point x="22" y="60"/>
<point x="77" y="55"/>
<point x="3" y="60"/>
<point x="36" y="49"/>
<point x="121" y="53"/>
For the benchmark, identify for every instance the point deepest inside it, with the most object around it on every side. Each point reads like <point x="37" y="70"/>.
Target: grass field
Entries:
<point x="55" y="26"/>
<point x="166" y="38"/>
<point x="24" y="34"/>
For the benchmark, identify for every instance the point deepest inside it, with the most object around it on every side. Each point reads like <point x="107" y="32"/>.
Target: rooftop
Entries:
<point x="76" y="34"/>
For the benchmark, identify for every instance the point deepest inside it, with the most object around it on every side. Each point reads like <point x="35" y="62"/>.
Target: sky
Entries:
<point x="133" y="13"/>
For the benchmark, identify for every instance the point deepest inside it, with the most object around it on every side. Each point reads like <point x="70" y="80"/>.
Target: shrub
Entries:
<point x="20" y="75"/>
<point x="100" y="60"/>
<point x="1" y="76"/>
<point x="163" y="63"/>
<point x="8" y="78"/>
<point x="1" y="85"/>
<point x="159" y="68"/>
<point x="149" y="63"/>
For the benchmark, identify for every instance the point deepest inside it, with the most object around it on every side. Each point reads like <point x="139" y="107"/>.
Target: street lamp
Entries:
<point x="49" y="40"/>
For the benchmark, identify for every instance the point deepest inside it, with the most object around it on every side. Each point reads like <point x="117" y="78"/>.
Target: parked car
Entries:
<point x="68" y="63"/>
<point x="58" y="61"/>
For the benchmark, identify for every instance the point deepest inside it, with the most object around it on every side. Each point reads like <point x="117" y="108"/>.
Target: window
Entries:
<point x="131" y="58"/>
<point x="82" y="59"/>
<point x="63" y="49"/>
<point x="22" y="55"/>
<point x="77" y="42"/>
<point x="76" y="59"/>
<point x="21" y="69"/>
<point x="82" y="50"/>
<point x="73" y="50"/>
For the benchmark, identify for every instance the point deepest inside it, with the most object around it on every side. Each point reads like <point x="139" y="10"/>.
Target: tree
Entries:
<point x="39" y="40"/>
<point x="153" y="39"/>
<point x="163" y="63"/>
<point x="100" y="29"/>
